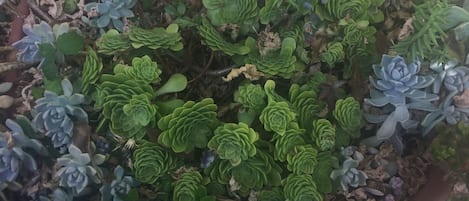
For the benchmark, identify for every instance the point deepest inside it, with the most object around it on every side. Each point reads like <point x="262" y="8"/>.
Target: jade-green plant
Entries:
<point x="234" y="142"/>
<point x="112" y="42"/>
<point x="191" y="187"/>
<point x="303" y="161"/>
<point x="240" y="12"/>
<point x="277" y="117"/>
<point x="285" y="145"/>
<point x="251" y="96"/>
<point x="151" y="162"/>
<point x="215" y="40"/>
<point x="323" y="134"/>
<point x="91" y="71"/>
<point x="189" y="126"/>
<point x="348" y="115"/>
<point x="143" y="69"/>
<point x="275" y="194"/>
<point x="306" y="104"/>
<point x="298" y="187"/>
<point x="157" y="38"/>
<point x="334" y="53"/>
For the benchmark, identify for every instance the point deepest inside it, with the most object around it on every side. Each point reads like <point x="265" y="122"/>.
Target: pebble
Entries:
<point x="6" y="101"/>
<point x="5" y="86"/>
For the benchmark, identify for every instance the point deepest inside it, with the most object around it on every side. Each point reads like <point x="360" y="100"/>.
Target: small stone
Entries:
<point x="6" y="101"/>
<point x="5" y="86"/>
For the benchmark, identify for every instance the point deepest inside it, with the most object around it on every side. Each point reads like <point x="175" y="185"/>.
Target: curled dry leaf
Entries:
<point x="462" y="101"/>
<point x="55" y="8"/>
<point x="460" y="187"/>
<point x="407" y="29"/>
<point x="249" y="71"/>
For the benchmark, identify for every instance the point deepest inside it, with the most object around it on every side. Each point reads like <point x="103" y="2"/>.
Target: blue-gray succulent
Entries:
<point x="55" y="114"/>
<point x="121" y="185"/>
<point x="13" y="157"/>
<point x="76" y="170"/>
<point x="107" y="11"/>
<point x="349" y="175"/>
<point x="28" y="46"/>
<point x="454" y="78"/>
<point x="399" y="85"/>
<point x="58" y="195"/>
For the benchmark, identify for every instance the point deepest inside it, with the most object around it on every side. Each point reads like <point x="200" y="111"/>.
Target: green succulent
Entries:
<point x="189" y="126"/>
<point x="91" y="71"/>
<point x="347" y="112"/>
<point x="333" y="54"/>
<point x="151" y="162"/>
<point x="143" y="69"/>
<point x="306" y="105"/>
<point x="303" y="161"/>
<point x="275" y="194"/>
<point x="284" y="145"/>
<point x="215" y="41"/>
<point x="251" y="96"/>
<point x="277" y="117"/>
<point x="112" y="42"/>
<point x="359" y="38"/>
<point x="231" y="11"/>
<point x="270" y="12"/>
<point x="300" y="187"/>
<point x="157" y="38"/>
<point x="281" y="62"/>
<point x="190" y="187"/>
<point x="323" y="134"/>
<point x="234" y="142"/>
<point x="322" y="171"/>
<point x="139" y="110"/>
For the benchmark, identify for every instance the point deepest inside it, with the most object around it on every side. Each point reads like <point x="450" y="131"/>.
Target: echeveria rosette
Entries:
<point x="13" y="157"/>
<point x="303" y="161"/>
<point x="277" y="116"/>
<point x="299" y="187"/>
<point x="306" y="105"/>
<point x="234" y="142"/>
<point x="349" y="175"/>
<point x="76" y="171"/>
<point x="119" y="186"/>
<point x="284" y="145"/>
<point x="251" y="96"/>
<point x="28" y="46"/>
<point x="157" y="38"/>
<point x="323" y="134"/>
<point x="190" y="187"/>
<point x="188" y="126"/>
<point x="151" y="162"/>
<point x="447" y="111"/>
<point x="348" y="115"/>
<point x="107" y="11"/>
<point x="112" y="42"/>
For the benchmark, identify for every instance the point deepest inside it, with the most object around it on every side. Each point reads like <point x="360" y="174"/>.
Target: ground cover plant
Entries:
<point x="217" y="100"/>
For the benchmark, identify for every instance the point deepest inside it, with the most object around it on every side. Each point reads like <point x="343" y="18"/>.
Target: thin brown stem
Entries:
<point x="209" y="63"/>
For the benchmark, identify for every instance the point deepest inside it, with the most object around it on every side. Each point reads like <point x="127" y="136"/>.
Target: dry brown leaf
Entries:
<point x="55" y="8"/>
<point x="407" y="29"/>
<point x="249" y="71"/>
<point x="462" y="101"/>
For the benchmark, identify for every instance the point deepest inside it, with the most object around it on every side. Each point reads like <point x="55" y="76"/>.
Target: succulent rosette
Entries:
<point x="107" y="11"/>
<point x="323" y="134"/>
<point x="234" y="142"/>
<point x="284" y="145"/>
<point x="349" y="175"/>
<point x="139" y="110"/>
<point x="157" y="38"/>
<point x="28" y="46"/>
<point x="298" y="187"/>
<point x="251" y="96"/>
<point x="277" y="116"/>
<point x="119" y="186"/>
<point x="146" y="70"/>
<point x="303" y="161"/>
<point x="112" y="42"/>
<point x="348" y="114"/>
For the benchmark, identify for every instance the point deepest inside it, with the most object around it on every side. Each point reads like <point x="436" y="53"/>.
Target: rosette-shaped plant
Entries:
<point x="151" y="162"/>
<point x="299" y="187"/>
<point x="275" y="194"/>
<point x="28" y="46"/>
<point x="251" y="96"/>
<point x="14" y="158"/>
<point x="333" y="54"/>
<point x="91" y="71"/>
<point x="143" y="69"/>
<point x="454" y="78"/>
<point x="112" y="42"/>
<point x="348" y="114"/>
<point x="76" y="170"/>
<point x="55" y="114"/>
<point x="234" y="142"/>
<point x="157" y="38"/>
<point x="303" y="161"/>
<point x="215" y="41"/>
<point x="139" y="110"/>
<point x="119" y="186"/>
<point x="349" y="175"/>
<point x="231" y="11"/>
<point x="190" y="187"/>
<point x="188" y="126"/>
<point x="323" y="134"/>
<point x="277" y="117"/>
<point x="306" y="105"/>
<point x="107" y="11"/>
<point x="284" y="145"/>
<point x="399" y="84"/>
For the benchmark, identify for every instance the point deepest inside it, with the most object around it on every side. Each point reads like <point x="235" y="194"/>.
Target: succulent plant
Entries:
<point x="119" y="186"/>
<point x="91" y="71"/>
<point x="334" y="53"/>
<point x="112" y="42"/>
<point x="190" y="186"/>
<point x="454" y="78"/>
<point x="14" y="158"/>
<point x="107" y="11"/>
<point x="157" y="38"/>
<point x="251" y="96"/>
<point x="28" y="46"/>
<point x="188" y="126"/>
<point x="277" y="117"/>
<point x="347" y="112"/>
<point x="285" y="145"/>
<point x="399" y="85"/>
<point x="275" y="194"/>
<point x="323" y="134"/>
<point x="239" y="12"/>
<point x="215" y="41"/>
<point x="306" y="105"/>
<point x="448" y="111"/>
<point x="349" y="175"/>
<point x="234" y="142"/>
<point x="151" y="162"/>
<point x="298" y="187"/>
<point x="55" y="114"/>
<point x="303" y="161"/>
<point x="76" y="170"/>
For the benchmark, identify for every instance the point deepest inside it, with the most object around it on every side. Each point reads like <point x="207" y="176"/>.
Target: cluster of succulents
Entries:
<point x="119" y="186"/>
<point x="28" y="46"/>
<point x="349" y="174"/>
<point x="106" y="11"/>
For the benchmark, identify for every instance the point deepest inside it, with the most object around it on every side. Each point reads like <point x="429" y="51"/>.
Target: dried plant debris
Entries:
<point x="249" y="71"/>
